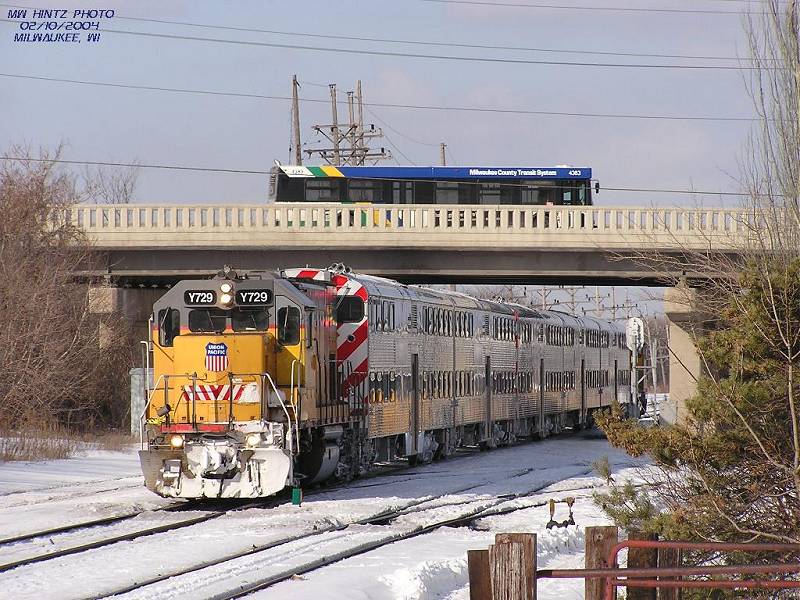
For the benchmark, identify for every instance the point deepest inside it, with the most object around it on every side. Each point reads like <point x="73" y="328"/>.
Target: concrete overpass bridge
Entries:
<point x="155" y="244"/>
<point x="144" y="247"/>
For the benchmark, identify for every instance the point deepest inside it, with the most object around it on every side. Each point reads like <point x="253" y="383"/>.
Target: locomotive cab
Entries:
<point x="229" y="362"/>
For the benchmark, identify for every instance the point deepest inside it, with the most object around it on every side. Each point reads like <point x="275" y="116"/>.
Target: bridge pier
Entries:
<point x="134" y="305"/>
<point x="684" y="321"/>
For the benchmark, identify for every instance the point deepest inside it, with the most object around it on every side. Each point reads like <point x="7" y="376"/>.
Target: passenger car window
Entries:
<point x="289" y="325"/>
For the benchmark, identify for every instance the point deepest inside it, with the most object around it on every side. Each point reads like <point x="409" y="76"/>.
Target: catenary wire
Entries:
<point x="512" y="111"/>
<point x="443" y="57"/>
<point x="262" y="172"/>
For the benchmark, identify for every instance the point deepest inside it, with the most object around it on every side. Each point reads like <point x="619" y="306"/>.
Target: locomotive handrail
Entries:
<point x="293" y="403"/>
<point x="286" y="412"/>
<point x="293" y="436"/>
<point x="146" y="406"/>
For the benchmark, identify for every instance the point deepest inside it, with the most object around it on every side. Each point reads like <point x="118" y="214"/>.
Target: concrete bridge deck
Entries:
<point x="423" y="243"/>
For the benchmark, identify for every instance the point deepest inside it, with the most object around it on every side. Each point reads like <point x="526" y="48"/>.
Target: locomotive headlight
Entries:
<point x="226" y="288"/>
<point x="252" y="440"/>
<point x="176" y="441"/>
<point x="226" y="298"/>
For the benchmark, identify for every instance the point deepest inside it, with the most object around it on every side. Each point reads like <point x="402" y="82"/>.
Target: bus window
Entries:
<point x="288" y="325"/>
<point x="365" y="190"/>
<point x="446" y="192"/>
<point x="489" y="193"/>
<point x="323" y="190"/>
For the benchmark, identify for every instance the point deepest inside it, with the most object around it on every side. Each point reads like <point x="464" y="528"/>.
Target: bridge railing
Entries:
<point x="301" y="223"/>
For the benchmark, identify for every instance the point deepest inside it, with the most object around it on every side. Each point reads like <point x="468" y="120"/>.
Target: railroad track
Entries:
<point x="379" y="520"/>
<point x="53" y="553"/>
<point x="121" y="537"/>
<point x="328" y="539"/>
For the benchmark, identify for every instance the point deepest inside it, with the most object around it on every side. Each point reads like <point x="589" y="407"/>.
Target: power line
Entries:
<point x="261" y="172"/>
<point x="444" y="57"/>
<point x="453" y="108"/>
<point x="416" y="42"/>
<point x="596" y="8"/>
<point x="402" y="135"/>
<point x="135" y="165"/>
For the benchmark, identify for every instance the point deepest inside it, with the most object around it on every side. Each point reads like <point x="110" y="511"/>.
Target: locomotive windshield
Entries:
<point x="249" y="320"/>
<point x="214" y="320"/>
<point x="207" y="320"/>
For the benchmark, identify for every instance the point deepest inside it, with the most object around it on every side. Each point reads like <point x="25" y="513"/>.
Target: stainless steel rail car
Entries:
<point x="265" y="380"/>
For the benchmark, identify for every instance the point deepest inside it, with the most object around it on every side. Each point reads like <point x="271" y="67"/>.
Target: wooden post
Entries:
<point x="641" y="558"/>
<point x="669" y="557"/>
<point x="513" y="565"/>
<point x="599" y="541"/>
<point x="480" y="580"/>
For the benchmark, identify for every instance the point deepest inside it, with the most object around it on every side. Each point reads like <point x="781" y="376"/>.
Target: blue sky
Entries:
<point x="100" y="123"/>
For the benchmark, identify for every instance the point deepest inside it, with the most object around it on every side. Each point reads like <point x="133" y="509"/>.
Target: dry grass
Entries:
<point x="30" y="444"/>
<point x="112" y="441"/>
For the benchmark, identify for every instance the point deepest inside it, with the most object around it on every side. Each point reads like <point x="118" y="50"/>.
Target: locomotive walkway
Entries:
<point x="420" y="243"/>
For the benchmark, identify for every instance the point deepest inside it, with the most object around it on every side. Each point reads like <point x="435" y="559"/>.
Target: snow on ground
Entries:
<point x="434" y="566"/>
<point x="92" y="465"/>
<point x="36" y="496"/>
<point x="425" y="567"/>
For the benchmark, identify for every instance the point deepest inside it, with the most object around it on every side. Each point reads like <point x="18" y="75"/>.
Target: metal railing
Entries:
<point x="108" y="223"/>
<point x="654" y="577"/>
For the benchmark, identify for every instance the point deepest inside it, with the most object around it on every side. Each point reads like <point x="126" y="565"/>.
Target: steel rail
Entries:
<point x="86" y="524"/>
<point x="124" y="537"/>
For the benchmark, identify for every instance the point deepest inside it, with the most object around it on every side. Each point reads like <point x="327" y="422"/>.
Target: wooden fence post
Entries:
<point x="599" y="541"/>
<point x="480" y="578"/>
<point x="641" y="558"/>
<point x="669" y="557"/>
<point x="513" y="565"/>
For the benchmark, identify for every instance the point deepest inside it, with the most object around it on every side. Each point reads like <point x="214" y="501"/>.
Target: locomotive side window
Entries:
<point x="289" y="325"/>
<point x="168" y="326"/>
<point x="207" y="320"/>
<point x="350" y="310"/>
<point x="249" y="320"/>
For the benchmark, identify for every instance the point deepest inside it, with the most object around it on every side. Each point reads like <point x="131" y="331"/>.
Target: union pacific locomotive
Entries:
<point x="265" y="380"/>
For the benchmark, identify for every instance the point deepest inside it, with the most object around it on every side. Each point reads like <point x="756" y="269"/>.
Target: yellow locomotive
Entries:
<point x="264" y="379"/>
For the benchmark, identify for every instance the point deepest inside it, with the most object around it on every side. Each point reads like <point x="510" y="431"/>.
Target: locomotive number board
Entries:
<point x="199" y="297"/>
<point x="253" y="297"/>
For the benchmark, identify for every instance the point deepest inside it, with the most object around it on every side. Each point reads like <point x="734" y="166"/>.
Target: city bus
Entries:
<point x="560" y="185"/>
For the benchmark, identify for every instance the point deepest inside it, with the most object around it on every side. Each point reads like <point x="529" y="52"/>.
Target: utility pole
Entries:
<point x="298" y="151"/>
<point x="353" y="134"/>
<point x="360" y="124"/>
<point x="337" y="158"/>
<point x="442" y="154"/>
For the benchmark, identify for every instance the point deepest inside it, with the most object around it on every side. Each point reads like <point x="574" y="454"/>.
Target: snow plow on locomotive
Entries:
<point x="267" y="380"/>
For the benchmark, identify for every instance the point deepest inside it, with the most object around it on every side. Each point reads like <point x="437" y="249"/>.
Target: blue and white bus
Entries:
<point x="433" y="185"/>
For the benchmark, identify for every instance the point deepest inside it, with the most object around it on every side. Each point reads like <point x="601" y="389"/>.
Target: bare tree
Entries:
<point x="731" y="470"/>
<point x="54" y="371"/>
<point x="108" y="185"/>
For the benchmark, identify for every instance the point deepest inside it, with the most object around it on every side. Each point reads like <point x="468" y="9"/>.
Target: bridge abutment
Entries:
<point x="685" y="367"/>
